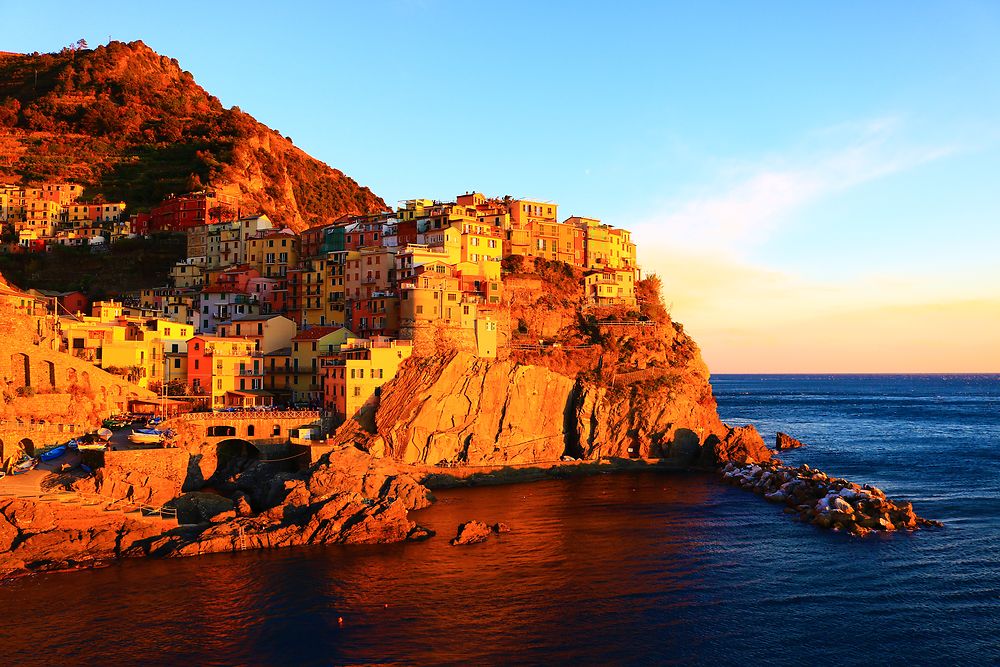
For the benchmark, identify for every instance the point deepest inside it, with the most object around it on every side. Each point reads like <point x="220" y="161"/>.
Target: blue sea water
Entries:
<point x="637" y="568"/>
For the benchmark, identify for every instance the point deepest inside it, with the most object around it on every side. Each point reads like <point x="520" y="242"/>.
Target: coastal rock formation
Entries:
<point x="608" y="385"/>
<point x="474" y="532"/>
<point x="153" y="477"/>
<point x="471" y="532"/>
<point x="740" y="444"/>
<point x="824" y="501"/>
<point x="466" y="409"/>
<point x="785" y="441"/>
<point x="39" y="536"/>
<point x="346" y="497"/>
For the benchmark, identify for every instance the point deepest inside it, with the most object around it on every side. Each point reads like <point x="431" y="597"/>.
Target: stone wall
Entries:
<point x="39" y="383"/>
<point x="152" y="476"/>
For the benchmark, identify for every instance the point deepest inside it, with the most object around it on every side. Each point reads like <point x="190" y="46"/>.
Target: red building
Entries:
<point x="139" y="223"/>
<point x="74" y="302"/>
<point x="180" y="213"/>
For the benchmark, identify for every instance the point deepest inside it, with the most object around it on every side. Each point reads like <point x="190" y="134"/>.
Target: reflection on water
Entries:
<point x="631" y="568"/>
<point x="584" y="561"/>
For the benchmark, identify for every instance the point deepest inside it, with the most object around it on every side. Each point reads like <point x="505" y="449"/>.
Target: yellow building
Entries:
<point x="434" y="295"/>
<point x="307" y="349"/>
<point x="606" y="287"/>
<point x="121" y="346"/>
<point x="273" y="253"/>
<point x="311" y="293"/>
<point x="268" y="332"/>
<point x="355" y="375"/>
<point x="278" y="373"/>
<point x="187" y="274"/>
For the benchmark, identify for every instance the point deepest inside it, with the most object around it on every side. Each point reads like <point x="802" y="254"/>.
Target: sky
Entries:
<point x="816" y="183"/>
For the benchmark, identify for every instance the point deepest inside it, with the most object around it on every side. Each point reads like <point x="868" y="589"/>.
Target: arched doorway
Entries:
<point x="233" y="454"/>
<point x="27" y="446"/>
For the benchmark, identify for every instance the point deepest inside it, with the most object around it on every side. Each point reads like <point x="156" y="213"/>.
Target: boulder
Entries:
<point x="198" y="507"/>
<point x="471" y="532"/>
<point x="741" y="444"/>
<point x="785" y="441"/>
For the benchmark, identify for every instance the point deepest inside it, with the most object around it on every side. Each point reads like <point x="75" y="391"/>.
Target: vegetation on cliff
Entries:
<point x="131" y="125"/>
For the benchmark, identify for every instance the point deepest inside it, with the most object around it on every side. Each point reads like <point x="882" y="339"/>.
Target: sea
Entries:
<point x="629" y="568"/>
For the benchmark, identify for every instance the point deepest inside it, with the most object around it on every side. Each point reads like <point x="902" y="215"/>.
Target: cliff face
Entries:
<point x="465" y="409"/>
<point x="619" y="386"/>
<point x="132" y="125"/>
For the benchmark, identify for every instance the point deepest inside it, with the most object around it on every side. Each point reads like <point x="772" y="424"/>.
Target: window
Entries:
<point x="196" y="364"/>
<point x="357" y="391"/>
<point x="218" y="383"/>
<point x="420" y="310"/>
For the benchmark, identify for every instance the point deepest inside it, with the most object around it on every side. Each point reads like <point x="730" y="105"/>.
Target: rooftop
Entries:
<point x="315" y="333"/>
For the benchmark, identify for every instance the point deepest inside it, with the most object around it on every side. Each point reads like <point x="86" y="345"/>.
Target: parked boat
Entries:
<point x="145" y="436"/>
<point x="53" y="453"/>
<point x="24" y="466"/>
<point x="115" y="422"/>
<point x="104" y="433"/>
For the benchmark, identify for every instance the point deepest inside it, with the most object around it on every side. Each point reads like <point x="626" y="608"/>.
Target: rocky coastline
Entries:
<point x="825" y="501"/>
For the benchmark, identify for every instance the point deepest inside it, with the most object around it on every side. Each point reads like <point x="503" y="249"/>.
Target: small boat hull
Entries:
<point x="53" y="454"/>
<point x="145" y="437"/>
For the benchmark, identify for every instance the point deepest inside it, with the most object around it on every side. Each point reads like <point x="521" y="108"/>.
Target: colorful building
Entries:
<point x="307" y="348"/>
<point x="229" y="371"/>
<point x="355" y="374"/>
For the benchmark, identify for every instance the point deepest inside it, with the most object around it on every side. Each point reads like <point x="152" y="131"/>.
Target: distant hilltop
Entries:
<point x="131" y="125"/>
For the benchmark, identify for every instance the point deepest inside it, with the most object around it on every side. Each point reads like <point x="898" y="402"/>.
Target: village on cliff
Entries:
<point x="315" y="387"/>
<point x="260" y="316"/>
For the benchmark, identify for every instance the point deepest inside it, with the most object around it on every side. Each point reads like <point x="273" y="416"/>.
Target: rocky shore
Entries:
<point x="825" y="501"/>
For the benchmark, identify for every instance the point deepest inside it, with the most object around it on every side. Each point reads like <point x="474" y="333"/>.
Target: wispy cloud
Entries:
<point x="750" y="202"/>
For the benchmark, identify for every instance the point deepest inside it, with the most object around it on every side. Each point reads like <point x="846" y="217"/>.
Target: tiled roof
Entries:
<point x="315" y="333"/>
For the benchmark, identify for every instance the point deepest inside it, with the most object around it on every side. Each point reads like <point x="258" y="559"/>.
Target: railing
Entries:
<point x="250" y="414"/>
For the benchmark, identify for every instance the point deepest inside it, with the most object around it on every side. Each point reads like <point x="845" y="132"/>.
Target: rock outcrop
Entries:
<point x="540" y="405"/>
<point x="825" y="501"/>
<point x="474" y="532"/>
<point x="479" y="412"/>
<point x="42" y="536"/>
<point x="785" y="441"/>
<point x="741" y="444"/>
<point x="346" y="497"/>
<point x="471" y="532"/>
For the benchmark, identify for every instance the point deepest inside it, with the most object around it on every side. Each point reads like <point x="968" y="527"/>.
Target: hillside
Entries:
<point x="131" y="125"/>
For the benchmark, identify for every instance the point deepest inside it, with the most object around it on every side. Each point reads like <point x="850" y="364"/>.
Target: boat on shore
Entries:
<point x="146" y="436"/>
<point x="53" y="453"/>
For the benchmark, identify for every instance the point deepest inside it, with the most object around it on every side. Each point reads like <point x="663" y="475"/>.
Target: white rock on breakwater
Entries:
<point x="824" y="501"/>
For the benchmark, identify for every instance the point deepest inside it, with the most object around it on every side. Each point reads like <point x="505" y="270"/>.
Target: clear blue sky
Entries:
<point x="838" y="157"/>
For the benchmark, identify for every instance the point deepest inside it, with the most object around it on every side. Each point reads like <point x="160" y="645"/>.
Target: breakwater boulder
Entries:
<point x="474" y="532"/>
<point x="825" y="501"/>
<point x="785" y="441"/>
